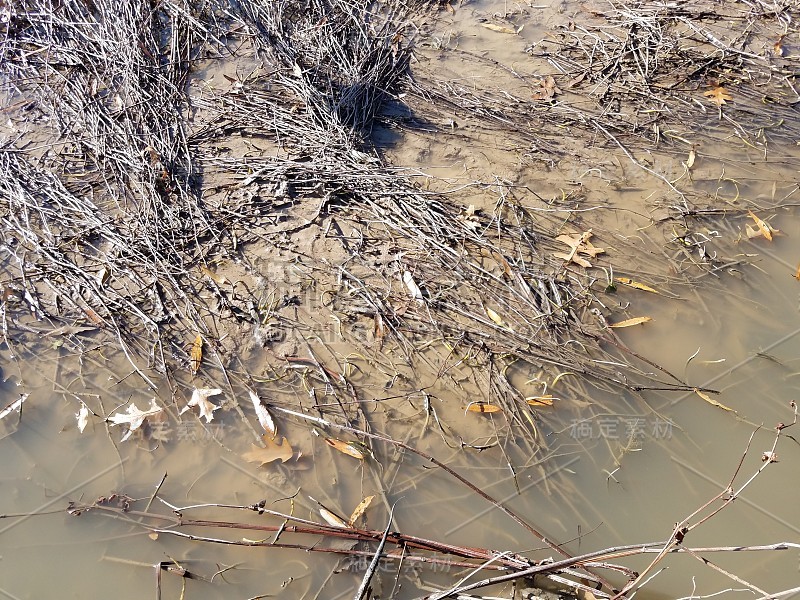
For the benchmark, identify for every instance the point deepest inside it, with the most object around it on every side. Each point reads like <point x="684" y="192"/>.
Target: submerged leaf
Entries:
<point x="636" y="285"/>
<point x="134" y="417"/>
<point x="345" y="448"/>
<point x="764" y="228"/>
<point x="264" y="418"/>
<point x="712" y="402"/>
<point x="718" y="95"/>
<point x="200" y="398"/>
<point x="632" y="322"/>
<point x="196" y="354"/>
<point x="83" y="417"/>
<point x="499" y="28"/>
<point x="359" y="510"/>
<point x="271" y="451"/>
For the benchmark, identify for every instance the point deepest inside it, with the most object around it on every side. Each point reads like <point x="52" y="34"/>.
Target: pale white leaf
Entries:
<point x="134" y="417"/>
<point x="412" y="286"/>
<point x="264" y="418"/>
<point x="200" y="398"/>
<point x="83" y="417"/>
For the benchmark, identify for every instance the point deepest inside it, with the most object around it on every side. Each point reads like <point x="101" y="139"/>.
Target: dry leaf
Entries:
<point x="546" y="400"/>
<point x="764" y="228"/>
<point x="153" y="536"/>
<point x="264" y="418"/>
<point x="83" y="417"/>
<point x="332" y="518"/>
<point x="200" y="398"/>
<point x="778" y="49"/>
<point x="359" y="510"/>
<point x="412" y="286"/>
<point x="218" y="279"/>
<point x="712" y="402"/>
<point x="495" y="317"/>
<point x="578" y="244"/>
<point x="632" y="322"/>
<point x="797" y="273"/>
<point x="499" y="28"/>
<point x="636" y="285"/>
<point x="271" y="451"/>
<point x="134" y="417"/>
<point x="718" y="95"/>
<point x="483" y="407"/>
<point x="549" y="89"/>
<point x="691" y="159"/>
<point x="196" y="354"/>
<point x="345" y="448"/>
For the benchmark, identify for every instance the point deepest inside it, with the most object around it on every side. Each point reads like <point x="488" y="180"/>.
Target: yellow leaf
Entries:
<point x="718" y="95"/>
<point x="797" y="273"/>
<point x="196" y="355"/>
<point x="632" y="322"/>
<point x="495" y="317"/>
<point x="711" y="401"/>
<point x="499" y="28"/>
<point x="360" y="510"/>
<point x="546" y="400"/>
<point x="636" y="285"/>
<point x="765" y="228"/>
<point x="271" y="451"/>
<point x="153" y="536"/>
<point x="483" y="407"/>
<point x="345" y="448"/>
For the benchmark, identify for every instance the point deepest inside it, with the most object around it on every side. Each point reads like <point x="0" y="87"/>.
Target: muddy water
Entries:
<point x="607" y="468"/>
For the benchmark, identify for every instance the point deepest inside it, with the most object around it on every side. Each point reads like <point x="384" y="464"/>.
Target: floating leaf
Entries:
<point x="134" y="417"/>
<point x="359" y="510"/>
<point x="797" y="273"/>
<point x="718" y="95"/>
<point x="636" y="285"/>
<point x="345" y="448"/>
<point x="83" y="417"/>
<point x="483" y="407"/>
<point x="712" y="402"/>
<point x="264" y="418"/>
<point x="499" y="28"/>
<point x="412" y="286"/>
<point x="632" y="322"/>
<point x="196" y="354"/>
<point x="200" y="398"/>
<point x="546" y="400"/>
<point x="271" y="451"/>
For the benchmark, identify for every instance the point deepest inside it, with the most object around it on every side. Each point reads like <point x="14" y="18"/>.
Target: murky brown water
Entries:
<point x="614" y="468"/>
